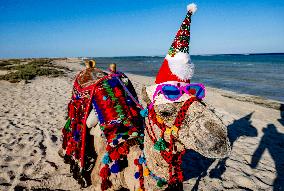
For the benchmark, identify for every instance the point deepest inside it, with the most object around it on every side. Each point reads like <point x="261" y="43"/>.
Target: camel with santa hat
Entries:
<point x="176" y="117"/>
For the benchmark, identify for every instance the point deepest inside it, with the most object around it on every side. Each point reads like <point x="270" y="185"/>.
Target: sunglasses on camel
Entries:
<point x="173" y="92"/>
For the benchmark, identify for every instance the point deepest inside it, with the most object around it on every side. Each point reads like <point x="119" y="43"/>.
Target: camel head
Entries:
<point x="201" y="130"/>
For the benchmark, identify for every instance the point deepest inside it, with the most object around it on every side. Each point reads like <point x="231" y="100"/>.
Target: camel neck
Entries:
<point x="160" y="168"/>
<point x="155" y="162"/>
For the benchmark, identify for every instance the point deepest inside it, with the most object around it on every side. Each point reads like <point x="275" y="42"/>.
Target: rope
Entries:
<point x="130" y="94"/>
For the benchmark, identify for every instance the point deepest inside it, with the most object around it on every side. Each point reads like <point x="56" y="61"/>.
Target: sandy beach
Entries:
<point x="32" y="115"/>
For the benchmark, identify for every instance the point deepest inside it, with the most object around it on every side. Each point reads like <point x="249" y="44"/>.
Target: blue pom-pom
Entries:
<point x="106" y="159"/>
<point x="137" y="175"/>
<point x="141" y="160"/>
<point x="115" y="168"/>
<point x="144" y="112"/>
<point x="104" y="98"/>
<point x="115" y="142"/>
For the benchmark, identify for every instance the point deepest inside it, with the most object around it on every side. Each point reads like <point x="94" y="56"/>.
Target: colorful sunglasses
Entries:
<point x="173" y="92"/>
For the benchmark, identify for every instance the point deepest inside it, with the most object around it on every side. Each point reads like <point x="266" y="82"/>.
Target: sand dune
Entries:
<point x="32" y="115"/>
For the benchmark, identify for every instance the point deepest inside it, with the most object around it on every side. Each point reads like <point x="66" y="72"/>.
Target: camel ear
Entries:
<point x="145" y="96"/>
<point x="204" y="132"/>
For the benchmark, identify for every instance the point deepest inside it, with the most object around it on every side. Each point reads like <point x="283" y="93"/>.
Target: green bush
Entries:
<point x="4" y="64"/>
<point x="8" y="64"/>
<point x="37" y="67"/>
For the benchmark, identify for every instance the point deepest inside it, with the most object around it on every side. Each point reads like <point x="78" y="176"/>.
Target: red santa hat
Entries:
<point x="177" y="65"/>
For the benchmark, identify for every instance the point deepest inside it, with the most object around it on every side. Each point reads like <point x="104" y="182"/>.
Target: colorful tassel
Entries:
<point x="146" y="172"/>
<point x="115" y="168"/>
<point x="144" y="112"/>
<point x="160" y="145"/>
<point x="134" y="134"/>
<point x="67" y="125"/>
<point x="106" y="159"/>
<point x="105" y="172"/>
<point x="114" y="155"/>
<point x="141" y="160"/>
<point x="161" y="183"/>
<point x="137" y="175"/>
<point x="136" y="162"/>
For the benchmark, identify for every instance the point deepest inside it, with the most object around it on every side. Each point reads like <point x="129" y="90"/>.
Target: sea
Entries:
<point x="254" y="74"/>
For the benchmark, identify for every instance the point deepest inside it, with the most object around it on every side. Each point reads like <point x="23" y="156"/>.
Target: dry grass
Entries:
<point x="29" y="69"/>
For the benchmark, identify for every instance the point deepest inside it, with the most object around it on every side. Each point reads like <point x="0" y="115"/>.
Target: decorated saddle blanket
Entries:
<point x="118" y="115"/>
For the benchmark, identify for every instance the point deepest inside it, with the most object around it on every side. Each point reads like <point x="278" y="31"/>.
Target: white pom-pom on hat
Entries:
<point x="192" y="7"/>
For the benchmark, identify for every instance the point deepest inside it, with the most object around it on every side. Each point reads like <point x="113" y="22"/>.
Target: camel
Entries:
<point x="201" y="131"/>
<point x="176" y="119"/>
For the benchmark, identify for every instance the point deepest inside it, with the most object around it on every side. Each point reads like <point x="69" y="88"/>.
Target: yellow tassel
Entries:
<point x="172" y="129"/>
<point x="146" y="172"/>
<point x="175" y="129"/>
<point x="168" y="131"/>
<point x="159" y="119"/>
<point x="139" y="189"/>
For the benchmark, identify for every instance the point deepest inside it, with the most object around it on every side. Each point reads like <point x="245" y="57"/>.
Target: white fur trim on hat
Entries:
<point x="181" y="65"/>
<point x="192" y="8"/>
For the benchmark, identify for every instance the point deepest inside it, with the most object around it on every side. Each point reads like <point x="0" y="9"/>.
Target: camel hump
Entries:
<point x="89" y="76"/>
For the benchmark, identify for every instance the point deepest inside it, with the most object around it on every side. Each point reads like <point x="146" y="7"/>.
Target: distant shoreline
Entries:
<point x="140" y="56"/>
<point x="161" y="56"/>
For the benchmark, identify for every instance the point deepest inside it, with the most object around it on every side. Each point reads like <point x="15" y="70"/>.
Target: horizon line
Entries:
<point x="244" y="54"/>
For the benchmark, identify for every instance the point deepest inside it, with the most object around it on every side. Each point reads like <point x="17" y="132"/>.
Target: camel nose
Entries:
<point x="204" y="132"/>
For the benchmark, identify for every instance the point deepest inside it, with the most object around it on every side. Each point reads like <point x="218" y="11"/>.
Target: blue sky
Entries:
<point x="61" y="28"/>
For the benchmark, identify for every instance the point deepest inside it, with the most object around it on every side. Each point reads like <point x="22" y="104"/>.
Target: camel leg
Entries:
<point x="99" y="146"/>
<point x="132" y="183"/>
<point x="124" y="179"/>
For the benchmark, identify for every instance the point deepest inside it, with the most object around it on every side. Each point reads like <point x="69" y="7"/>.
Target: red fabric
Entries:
<point x="105" y="172"/>
<point x="123" y="150"/>
<point x="114" y="155"/>
<point x="108" y="147"/>
<point x="165" y="74"/>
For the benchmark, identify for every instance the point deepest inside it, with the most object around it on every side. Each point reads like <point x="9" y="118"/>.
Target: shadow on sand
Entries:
<point x="239" y="128"/>
<point x="273" y="141"/>
<point x="196" y="165"/>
